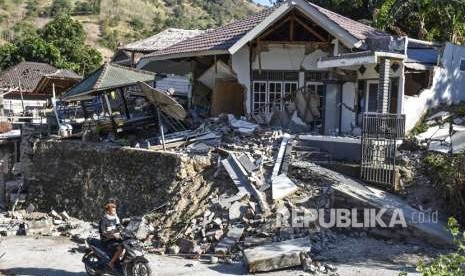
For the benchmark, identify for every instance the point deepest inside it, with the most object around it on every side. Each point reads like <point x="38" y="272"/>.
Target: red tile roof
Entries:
<point x="224" y="37"/>
<point x="28" y="74"/>
<point x="355" y="28"/>
<point x="220" y="38"/>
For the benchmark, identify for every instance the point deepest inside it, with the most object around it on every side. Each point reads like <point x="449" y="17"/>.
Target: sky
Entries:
<point x="263" y="2"/>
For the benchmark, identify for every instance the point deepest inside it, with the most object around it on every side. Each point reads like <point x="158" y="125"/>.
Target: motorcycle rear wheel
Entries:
<point x="91" y="257"/>
<point x="140" y="269"/>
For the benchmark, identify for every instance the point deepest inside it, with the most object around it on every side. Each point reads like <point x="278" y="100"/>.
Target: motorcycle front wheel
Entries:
<point x="91" y="258"/>
<point x="141" y="269"/>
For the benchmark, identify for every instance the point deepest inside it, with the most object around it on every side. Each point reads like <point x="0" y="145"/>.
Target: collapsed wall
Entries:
<point x="80" y="177"/>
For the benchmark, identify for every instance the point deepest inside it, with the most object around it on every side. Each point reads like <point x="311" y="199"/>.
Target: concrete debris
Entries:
<point x="230" y="239"/>
<point x="439" y="116"/>
<point x="242" y="126"/>
<point x="276" y="255"/>
<point x="242" y="181"/>
<point x="283" y="186"/>
<point x="445" y="138"/>
<point x="21" y="222"/>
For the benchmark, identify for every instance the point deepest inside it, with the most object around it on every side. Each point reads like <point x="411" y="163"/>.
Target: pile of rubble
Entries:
<point x="29" y="222"/>
<point x="242" y="224"/>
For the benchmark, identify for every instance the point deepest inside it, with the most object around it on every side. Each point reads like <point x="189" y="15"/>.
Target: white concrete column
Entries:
<point x="383" y="87"/>
<point x="401" y="93"/>
<point x="301" y="79"/>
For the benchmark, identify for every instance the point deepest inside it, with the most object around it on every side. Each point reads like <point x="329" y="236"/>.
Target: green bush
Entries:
<point x="136" y="24"/>
<point x="448" y="175"/>
<point x="452" y="264"/>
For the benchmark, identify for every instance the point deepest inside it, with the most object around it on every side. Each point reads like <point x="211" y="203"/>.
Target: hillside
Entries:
<point x="111" y="22"/>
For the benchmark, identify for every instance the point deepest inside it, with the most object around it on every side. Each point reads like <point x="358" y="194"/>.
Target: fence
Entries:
<point x="380" y="132"/>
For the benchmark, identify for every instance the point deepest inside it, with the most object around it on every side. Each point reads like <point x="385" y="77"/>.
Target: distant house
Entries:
<point x="30" y="85"/>
<point x="129" y="54"/>
<point x="339" y="69"/>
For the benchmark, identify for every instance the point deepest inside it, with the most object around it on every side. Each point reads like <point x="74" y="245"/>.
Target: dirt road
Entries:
<point x="47" y="256"/>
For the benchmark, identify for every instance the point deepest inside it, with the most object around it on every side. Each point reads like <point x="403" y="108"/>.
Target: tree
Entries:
<point x="424" y="19"/>
<point x="61" y="7"/>
<point x="69" y="37"/>
<point x="61" y="43"/>
<point x="9" y="55"/>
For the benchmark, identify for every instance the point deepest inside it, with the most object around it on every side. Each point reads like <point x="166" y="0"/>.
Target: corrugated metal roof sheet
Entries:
<point x="108" y="76"/>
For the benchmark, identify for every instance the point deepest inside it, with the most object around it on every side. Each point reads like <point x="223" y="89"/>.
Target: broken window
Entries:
<point x="270" y="86"/>
<point x="462" y="65"/>
<point x="372" y="96"/>
<point x="416" y="81"/>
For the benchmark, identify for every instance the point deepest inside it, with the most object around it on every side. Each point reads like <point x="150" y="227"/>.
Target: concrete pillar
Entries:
<point x="383" y="87"/>
<point x="301" y="79"/>
<point x="401" y="93"/>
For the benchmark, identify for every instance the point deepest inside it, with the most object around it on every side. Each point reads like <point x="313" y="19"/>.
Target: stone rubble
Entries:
<point x="246" y="220"/>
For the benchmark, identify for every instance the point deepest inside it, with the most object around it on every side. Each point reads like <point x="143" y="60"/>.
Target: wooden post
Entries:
<point x="113" y="123"/>
<point x="22" y="98"/>
<point x="84" y="110"/>
<point x="126" y="109"/>
<point x="160" y="126"/>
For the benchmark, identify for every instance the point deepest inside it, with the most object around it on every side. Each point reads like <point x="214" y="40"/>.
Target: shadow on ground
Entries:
<point x="37" y="271"/>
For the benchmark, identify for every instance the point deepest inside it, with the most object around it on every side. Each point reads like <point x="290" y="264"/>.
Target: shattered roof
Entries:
<point x="161" y="40"/>
<point x="28" y="74"/>
<point x="108" y="76"/>
<point x="224" y="37"/>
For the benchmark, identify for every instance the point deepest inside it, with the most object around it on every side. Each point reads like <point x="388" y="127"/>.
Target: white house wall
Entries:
<point x="332" y="110"/>
<point x="448" y="87"/>
<point x="240" y="62"/>
<point x="371" y="73"/>
<point x="348" y="98"/>
<point x="449" y="82"/>
<point x="17" y="107"/>
<point x="285" y="57"/>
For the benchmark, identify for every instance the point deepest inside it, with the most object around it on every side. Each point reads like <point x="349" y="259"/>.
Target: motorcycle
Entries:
<point x="133" y="262"/>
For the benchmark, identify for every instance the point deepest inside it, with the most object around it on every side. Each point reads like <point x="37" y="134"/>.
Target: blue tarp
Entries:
<point x="423" y="56"/>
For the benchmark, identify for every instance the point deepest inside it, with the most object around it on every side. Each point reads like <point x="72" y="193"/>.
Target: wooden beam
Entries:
<point x="312" y="31"/>
<point x="291" y="30"/>
<point x="274" y="28"/>
<point x="309" y="43"/>
<point x="126" y="109"/>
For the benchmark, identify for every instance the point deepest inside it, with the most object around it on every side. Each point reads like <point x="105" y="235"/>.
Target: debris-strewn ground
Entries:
<point x="236" y="211"/>
<point x="54" y="256"/>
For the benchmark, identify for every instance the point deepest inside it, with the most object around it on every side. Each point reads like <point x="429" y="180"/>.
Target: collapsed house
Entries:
<point x="30" y="85"/>
<point x="334" y="68"/>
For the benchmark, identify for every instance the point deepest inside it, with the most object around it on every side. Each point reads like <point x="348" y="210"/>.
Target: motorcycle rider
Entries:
<point x="109" y="233"/>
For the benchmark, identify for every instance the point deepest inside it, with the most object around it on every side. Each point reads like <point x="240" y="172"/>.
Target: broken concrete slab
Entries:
<point x="439" y="138"/>
<point x="229" y="240"/>
<point x="439" y="116"/>
<point x="240" y="178"/>
<point x="431" y="232"/>
<point x="296" y="124"/>
<point x="282" y="186"/>
<point x="276" y="255"/>
<point x="237" y="211"/>
<point x="242" y="125"/>
<point x="247" y="163"/>
<point x="280" y="156"/>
